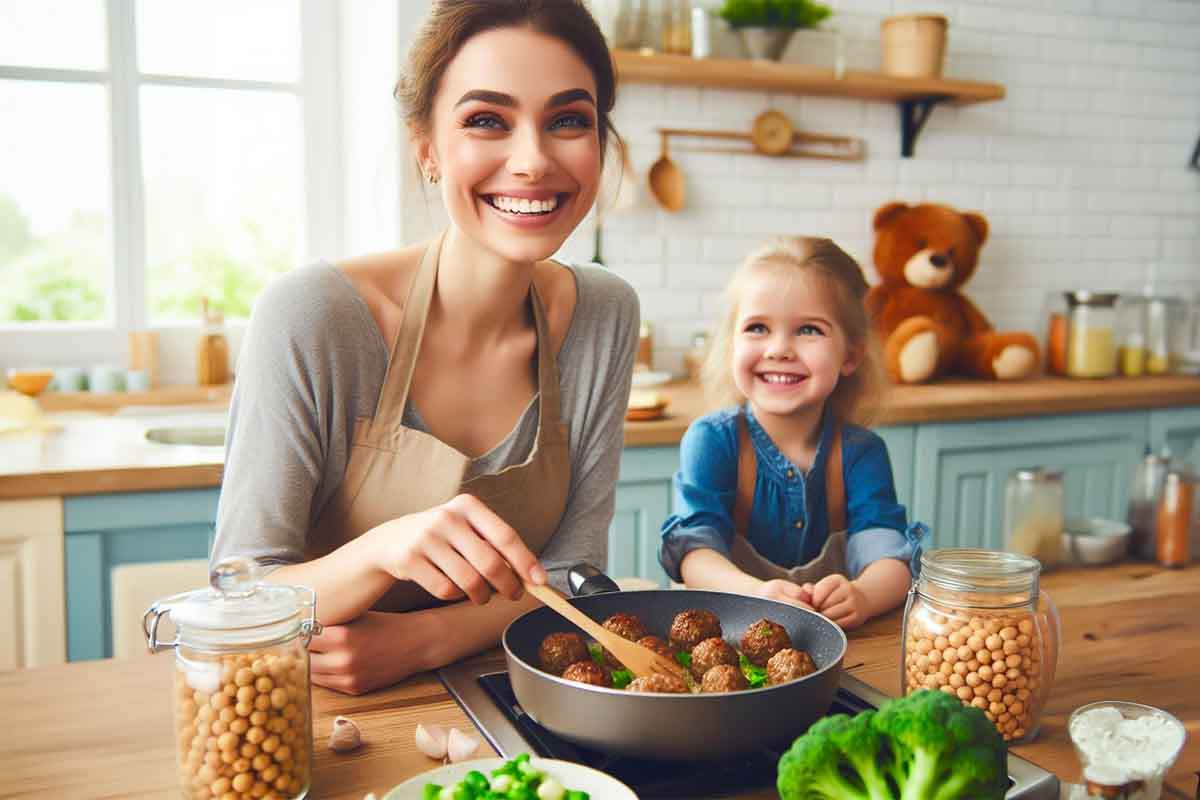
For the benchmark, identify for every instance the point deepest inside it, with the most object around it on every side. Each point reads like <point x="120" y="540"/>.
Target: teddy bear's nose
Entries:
<point x="938" y="260"/>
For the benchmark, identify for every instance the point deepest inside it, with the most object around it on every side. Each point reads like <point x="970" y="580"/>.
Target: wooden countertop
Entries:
<point x="958" y="400"/>
<point x="101" y="729"/>
<point x="107" y="453"/>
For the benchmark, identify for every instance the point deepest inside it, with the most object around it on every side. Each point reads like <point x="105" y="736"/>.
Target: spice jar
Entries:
<point x="1173" y="523"/>
<point x="1143" y="504"/>
<point x="1033" y="514"/>
<point x="1091" y="336"/>
<point x="242" y="698"/>
<point x="977" y="627"/>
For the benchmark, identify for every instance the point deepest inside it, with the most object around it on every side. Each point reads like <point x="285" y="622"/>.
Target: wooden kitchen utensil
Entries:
<point x="773" y="135"/>
<point x="666" y="180"/>
<point x="641" y="661"/>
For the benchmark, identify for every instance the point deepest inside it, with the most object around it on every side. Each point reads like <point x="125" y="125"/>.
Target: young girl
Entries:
<point x="780" y="496"/>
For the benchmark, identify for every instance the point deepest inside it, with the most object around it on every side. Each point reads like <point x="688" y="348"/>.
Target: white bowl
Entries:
<point x="1091" y="540"/>
<point x="599" y="785"/>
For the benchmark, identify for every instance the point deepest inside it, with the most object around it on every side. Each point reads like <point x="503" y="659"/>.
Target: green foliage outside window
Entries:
<point x="61" y="277"/>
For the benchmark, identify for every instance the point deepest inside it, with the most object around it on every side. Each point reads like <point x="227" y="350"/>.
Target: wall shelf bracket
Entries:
<point x="913" y="114"/>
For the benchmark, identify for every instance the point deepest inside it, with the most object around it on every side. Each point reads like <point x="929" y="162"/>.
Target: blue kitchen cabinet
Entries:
<point x="107" y="530"/>
<point x="901" y="441"/>
<point x="961" y="469"/>
<point x="644" y="500"/>
<point x="1177" y="429"/>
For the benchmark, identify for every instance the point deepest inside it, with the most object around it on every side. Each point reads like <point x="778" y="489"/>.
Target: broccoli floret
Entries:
<point x="926" y="746"/>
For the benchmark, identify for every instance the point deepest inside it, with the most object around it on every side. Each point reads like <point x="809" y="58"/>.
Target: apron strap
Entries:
<point x="747" y="474"/>
<point x="407" y="345"/>
<point x="549" y="405"/>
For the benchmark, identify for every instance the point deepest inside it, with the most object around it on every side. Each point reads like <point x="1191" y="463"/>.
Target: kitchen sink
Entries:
<point x="194" y="435"/>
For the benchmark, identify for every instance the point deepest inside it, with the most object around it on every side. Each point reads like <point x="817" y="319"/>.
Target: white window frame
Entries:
<point x="319" y="91"/>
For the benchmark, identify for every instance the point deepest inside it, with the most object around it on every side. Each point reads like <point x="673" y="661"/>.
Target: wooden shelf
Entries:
<point x="915" y="97"/>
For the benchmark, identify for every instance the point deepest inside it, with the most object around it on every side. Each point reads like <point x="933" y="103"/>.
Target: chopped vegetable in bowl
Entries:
<point x="516" y="779"/>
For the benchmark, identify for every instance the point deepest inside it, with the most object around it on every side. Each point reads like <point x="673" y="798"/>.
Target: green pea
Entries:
<point x="431" y="791"/>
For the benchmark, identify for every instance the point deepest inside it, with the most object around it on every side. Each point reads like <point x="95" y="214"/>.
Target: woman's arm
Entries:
<point x="378" y="649"/>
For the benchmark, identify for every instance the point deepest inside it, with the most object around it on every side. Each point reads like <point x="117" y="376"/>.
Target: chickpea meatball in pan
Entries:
<point x="660" y="722"/>
<point x="764" y="639"/>
<point x="711" y="652"/>
<point x="788" y="665"/>
<point x="588" y="672"/>
<point x="560" y="650"/>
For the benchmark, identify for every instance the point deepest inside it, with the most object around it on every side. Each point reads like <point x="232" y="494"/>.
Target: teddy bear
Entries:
<point x="924" y="255"/>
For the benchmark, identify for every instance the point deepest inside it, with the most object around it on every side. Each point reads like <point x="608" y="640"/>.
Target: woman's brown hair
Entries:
<point x="857" y="396"/>
<point x="451" y="23"/>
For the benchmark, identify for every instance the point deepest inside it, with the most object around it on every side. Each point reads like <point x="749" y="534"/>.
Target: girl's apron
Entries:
<point x="394" y="470"/>
<point x="832" y="557"/>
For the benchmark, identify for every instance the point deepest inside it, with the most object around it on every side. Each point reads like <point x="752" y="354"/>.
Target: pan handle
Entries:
<point x="584" y="579"/>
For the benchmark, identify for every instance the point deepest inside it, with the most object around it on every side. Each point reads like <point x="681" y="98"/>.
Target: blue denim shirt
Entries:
<point x="788" y="524"/>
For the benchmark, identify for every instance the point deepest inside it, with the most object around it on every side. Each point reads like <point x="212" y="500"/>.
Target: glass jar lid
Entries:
<point x="1087" y="297"/>
<point x="237" y="608"/>
<point x="979" y="577"/>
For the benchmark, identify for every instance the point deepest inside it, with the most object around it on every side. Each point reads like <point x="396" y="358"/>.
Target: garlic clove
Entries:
<point x="460" y="746"/>
<point x="432" y="741"/>
<point x="345" y="735"/>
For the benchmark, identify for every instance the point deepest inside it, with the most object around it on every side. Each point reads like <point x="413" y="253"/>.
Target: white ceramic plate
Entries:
<point x="644" y="380"/>
<point x="573" y="776"/>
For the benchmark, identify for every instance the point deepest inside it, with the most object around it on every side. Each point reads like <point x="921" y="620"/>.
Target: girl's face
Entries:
<point x="788" y="349"/>
<point x="514" y="142"/>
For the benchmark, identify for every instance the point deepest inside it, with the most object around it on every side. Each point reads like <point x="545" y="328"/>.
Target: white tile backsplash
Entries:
<point x="1081" y="169"/>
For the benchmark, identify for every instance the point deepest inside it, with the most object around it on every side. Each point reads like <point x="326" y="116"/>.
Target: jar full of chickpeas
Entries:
<point x="242" y="698"/>
<point x="976" y="626"/>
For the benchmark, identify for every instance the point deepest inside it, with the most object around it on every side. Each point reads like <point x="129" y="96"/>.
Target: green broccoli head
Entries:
<point x="926" y="746"/>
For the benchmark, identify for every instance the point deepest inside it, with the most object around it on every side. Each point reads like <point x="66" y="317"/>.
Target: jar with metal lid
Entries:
<point x="977" y="627"/>
<point x="1091" y="334"/>
<point x="1144" y="494"/>
<point x="242" y="697"/>
<point x="1033" y="514"/>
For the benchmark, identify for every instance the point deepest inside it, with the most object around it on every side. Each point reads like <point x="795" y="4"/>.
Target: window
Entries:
<point x="153" y="153"/>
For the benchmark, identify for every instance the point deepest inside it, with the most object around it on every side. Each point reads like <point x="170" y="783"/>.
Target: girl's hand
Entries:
<point x="375" y="650"/>
<point x="787" y="592"/>
<point x="459" y="548"/>
<point x="840" y="599"/>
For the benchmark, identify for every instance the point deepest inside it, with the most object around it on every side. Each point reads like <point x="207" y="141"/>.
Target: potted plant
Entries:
<point x="766" y="26"/>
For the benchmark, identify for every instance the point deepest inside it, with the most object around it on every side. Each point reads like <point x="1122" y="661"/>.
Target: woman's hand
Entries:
<point x="787" y="592"/>
<point x="375" y="650"/>
<point x="840" y="599"/>
<point x="459" y="548"/>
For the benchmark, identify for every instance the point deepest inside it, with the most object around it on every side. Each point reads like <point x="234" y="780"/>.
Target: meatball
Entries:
<point x="627" y="626"/>
<point x="764" y="639"/>
<point x="693" y="626"/>
<point x="657" y="645"/>
<point x="788" y="665"/>
<point x="658" y="683"/>
<point x="588" y="672"/>
<point x="724" y="678"/>
<point x="561" y="650"/>
<point x="709" y="654"/>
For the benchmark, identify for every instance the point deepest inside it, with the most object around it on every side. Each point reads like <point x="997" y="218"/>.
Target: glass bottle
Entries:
<point x="1166" y="325"/>
<point x="1033" y="514"/>
<point x="1143" y="504"/>
<point x="976" y="626"/>
<point x="1091" y="336"/>
<point x="1131" y="313"/>
<point x="241" y="683"/>
<point x="677" y="27"/>
<point x="632" y="20"/>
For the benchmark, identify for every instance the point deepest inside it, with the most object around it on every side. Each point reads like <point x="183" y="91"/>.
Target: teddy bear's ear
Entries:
<point x="978" y="224"/>
<point x="886" y="213"/>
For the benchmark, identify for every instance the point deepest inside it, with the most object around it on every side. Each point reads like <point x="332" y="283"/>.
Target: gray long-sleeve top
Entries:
<point x="314" y="360"/>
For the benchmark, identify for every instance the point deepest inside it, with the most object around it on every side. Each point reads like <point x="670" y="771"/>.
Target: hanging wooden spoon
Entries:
<point x="666" y="180"/>
<point x="641" y="661"/>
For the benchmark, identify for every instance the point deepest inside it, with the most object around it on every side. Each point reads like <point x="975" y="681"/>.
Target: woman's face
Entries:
<point x="514" y="142"/>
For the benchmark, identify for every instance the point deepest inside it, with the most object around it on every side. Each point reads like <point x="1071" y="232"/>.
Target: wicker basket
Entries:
<point x="914" y="45"/>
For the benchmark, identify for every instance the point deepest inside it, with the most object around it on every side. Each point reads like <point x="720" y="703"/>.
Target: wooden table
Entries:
<point x="101" y="729"/>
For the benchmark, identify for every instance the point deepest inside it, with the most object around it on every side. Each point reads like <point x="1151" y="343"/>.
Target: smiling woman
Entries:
<point x="415" y="428"/>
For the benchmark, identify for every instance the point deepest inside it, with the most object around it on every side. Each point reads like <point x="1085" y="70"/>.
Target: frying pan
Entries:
<point x="672" y="727"/>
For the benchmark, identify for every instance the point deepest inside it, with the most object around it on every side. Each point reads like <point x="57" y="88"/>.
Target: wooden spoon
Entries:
<point x="666" y="181"/>
<point x="641" y="661"/>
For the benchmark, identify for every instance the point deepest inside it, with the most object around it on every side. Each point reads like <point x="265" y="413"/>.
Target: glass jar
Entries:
<point x="677" y="27"/>
<point x="1091" y="335"/>
<point x="1143" y="504"/>
<point x="1166" y="333"/>
<point x="1033" y="514"/>
<point x="1131" y="313"/>
<point x="1054" y="332"/>
<point x="977" y="627"/>
<point x="242" y="697"/>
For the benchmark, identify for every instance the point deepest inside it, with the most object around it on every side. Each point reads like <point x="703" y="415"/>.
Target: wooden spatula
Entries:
<point x="641" y="661"/>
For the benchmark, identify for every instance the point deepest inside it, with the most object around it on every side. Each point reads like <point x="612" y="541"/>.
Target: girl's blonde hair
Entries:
<point x="857" y="396"/>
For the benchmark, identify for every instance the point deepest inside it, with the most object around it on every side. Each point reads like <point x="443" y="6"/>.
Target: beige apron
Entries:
<point x="832" y="557"/>
<point x="394" y="470"/>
